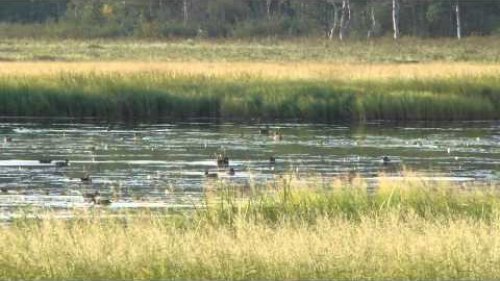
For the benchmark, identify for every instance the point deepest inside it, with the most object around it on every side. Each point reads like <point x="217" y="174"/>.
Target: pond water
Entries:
<point x="163" y="164"/>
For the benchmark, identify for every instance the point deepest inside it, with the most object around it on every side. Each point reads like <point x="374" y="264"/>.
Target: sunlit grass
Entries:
<point x="315" y="81"/>
<point x="411" y="229"/>
<point x="264" y="70"/>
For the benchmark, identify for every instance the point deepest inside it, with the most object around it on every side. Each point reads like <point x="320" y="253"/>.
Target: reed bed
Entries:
<point x="308" y="94"/>
<point x="410" y="229"/>
<point x="311" y="80"/>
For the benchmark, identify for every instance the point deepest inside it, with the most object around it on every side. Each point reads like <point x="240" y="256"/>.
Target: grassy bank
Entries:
<point x="307" y="91"/>
<point x="386" y="50"/>
<point x="405" y="230"/>
<point x="312" y="80"/>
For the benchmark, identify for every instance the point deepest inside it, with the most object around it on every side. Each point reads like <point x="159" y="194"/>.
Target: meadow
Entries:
<point x="382" y="50"/>
<point x="290" y="229"/>
<point x="318" y="81"/>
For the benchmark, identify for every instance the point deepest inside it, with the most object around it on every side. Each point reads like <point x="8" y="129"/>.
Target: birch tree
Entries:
<point x="345" y="19"/>
<point x="334" y="23"/>
<point x="395" y="18"/>
<point x="373" y="26"/>
<point x="185" y="11"/>
<point x="268" y="8"/>
<point x="459" y="23"/>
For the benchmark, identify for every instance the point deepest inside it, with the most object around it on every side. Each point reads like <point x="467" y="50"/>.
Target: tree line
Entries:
<point x="333" y="19"/>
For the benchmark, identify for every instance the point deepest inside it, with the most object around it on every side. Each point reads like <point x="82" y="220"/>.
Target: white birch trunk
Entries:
<point x="345" y="19"/>
<point x="371" y="32"/>
<point x="185" y="11"/>
<point x="459" y="23"/>
<point x="268" y="8"/>
<point x="331" y="34"/>
<point x="395" y="18"/>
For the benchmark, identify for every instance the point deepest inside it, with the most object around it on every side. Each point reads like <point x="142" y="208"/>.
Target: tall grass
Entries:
<point x="406" y="230"/>
<point x="299" y="202"/>
<point x="155" y="95"/>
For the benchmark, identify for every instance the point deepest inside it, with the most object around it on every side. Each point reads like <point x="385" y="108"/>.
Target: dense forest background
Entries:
<point x="333" y="19"/>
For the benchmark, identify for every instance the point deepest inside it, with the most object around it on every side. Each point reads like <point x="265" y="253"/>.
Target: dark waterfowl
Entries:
<point x="272" y="160"/>
<point x="210" y="175"/>
<point x="351" y="176"/>
<point x="277" y="136"/>
<point x="231" y="172"/>
<point x="222" y="161"/>
<point x="96" y="198"/>
<point x="7" y="139"/>
<point x="86" y="179"/>
<point x="386" y="160"/>
<point x="265" y="131"/>
<point x="91" y="196"/>
<point x="104" y="202"/>
<point x="64" y="163"/>
<point x="45" y="161"/>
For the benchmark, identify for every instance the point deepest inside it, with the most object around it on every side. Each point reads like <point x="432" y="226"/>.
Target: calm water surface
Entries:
<point x="164" y="164"/>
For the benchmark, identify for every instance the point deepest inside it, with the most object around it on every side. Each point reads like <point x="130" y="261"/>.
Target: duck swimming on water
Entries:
<point x="272" y="160"/>
<point x="265" y="131"/>
<point x="386" y="160"/>
<point x="96" y="198"/>
<point x="86" y="179"/>
<point x="64" y="163"/>
<point x="211" y="175"/>
<point x="222" y="161"/>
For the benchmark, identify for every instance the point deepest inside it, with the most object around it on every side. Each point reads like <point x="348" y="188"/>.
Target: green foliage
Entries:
<point x="241" y="18"/>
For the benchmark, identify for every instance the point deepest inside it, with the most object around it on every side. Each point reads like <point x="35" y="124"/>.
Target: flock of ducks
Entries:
<point x="222" y="161"/>
<point x="276" y="135"/>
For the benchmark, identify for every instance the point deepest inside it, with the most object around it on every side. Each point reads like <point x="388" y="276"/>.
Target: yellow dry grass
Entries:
<point x="386" y="248"/>
<point x="268" y="70"/>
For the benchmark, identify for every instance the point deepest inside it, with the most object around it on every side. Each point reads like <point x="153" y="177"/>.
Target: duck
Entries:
<point x="222" y="161"/>
<point x="96" y="198"/>
<point x="351" y="176"/>
<point x="64" y="163"/>
<point x="7" y="139"/>
<point x="277" y="136"/>
<point x="386" y="160"/>
<point x="272" y="160"/>
<point x="231" y="172"/>
<point x="45" y="161"/>
<point x="104" y="202"/>
<point x="211" y="175"/>
<point x="91" y="196"/>
<point x="86" y="179"/>
<point x="264" y="131"/>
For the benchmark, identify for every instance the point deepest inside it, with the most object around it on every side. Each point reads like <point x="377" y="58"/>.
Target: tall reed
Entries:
<point x="153" y="96"/>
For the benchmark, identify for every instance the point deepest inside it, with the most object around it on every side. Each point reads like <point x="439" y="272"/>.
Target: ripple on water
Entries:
<point x="145" y="161"/>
